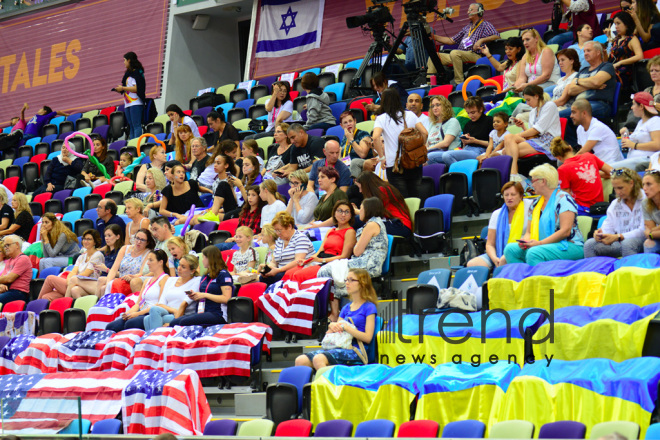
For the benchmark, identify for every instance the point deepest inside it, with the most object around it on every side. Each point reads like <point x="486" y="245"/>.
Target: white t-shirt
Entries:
<point x="190" y="122"/>
<point x="654" y="163"/>
<point x="272" y="115"/>
<point x="492" y="223"/>
<point x="268" y="212"/>
<point x="391" y="131"/>
<point x="97" y="258"/>
<point x="642" y="134"/>
<point x="547" y="121"/>
<point x="131" y="98"/>
<point x="607" y="147"/>
<point x="173" y="296"/>
<point x="426" y="122"/>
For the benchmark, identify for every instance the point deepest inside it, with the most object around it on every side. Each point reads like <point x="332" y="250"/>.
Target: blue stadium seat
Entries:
<point x="441" y="276"/>
<point x="337" y="109"/>
<point x="480" y="274"/>
<point x="48" y="139"/>
<point x="466" y="167"/>
<point x="355" y="64"/>
<point x="337" y="89"/>
<point x="81" y="192"/>
<point x="314" y="70"/>
<point x="54" y="154"/>
<point x="225" y="107"/>
<point x="245" y="104"/>
<point x="57" y="120"/>
<point x="335" y="131"/>
<point x="444" y="203"/>
<point x="72" y="216"/>
<point x="91" y="214"/>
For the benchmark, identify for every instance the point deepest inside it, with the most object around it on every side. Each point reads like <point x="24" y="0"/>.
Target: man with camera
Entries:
<point x="469" y="40"/>
<point x="582" y="12"/>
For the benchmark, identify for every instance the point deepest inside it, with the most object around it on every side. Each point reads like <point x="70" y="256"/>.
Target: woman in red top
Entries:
<point x="338" y="244"/>
<point x="579" y="175"/>
<point x="398" y="220"/>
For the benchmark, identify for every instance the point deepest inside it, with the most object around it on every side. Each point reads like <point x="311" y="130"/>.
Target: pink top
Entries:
<point x="22" y="266"/>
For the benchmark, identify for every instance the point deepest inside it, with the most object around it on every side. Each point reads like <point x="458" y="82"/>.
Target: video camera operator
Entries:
<point x="469" y="40"/>
<point x="581" y="12"/>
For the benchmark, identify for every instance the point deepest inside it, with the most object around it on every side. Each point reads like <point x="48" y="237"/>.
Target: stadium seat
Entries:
<point x="256" y="428"/>
<point x="337" y="89"/>
<point x="14" y="307"/>
<point x="443" y="90"/>
<point x="334" y="428"/>
<point x="74" y="427"/>
<point x="11" y="183"/>
<point x="284" y="398"/>
<point x="36" y="209"/>
<point x="229" y="226"/>
<point x="294" y="428"/>
<point x="464" y="429"/>
<point x="31" y="176"/>
<point x="224" y="427"/>
<point x="217" y="237"/>
<point x="514" y="429"/>
<point x="418" y="429"/>
<point x="563" y="430"/>
<point x="41" y="198"/>
<point x="37" y="305"/>
<point x="629" y="430"/>
<point x="81" y="225"/>
<point x="90" y="202"/>
<point x="653" y="432"/>
<point x="54" y="206"/>
<point x="480" y="274"/>
<point x="84" y="303"/>
<point x="74" y="321"/>
<point x="420" y="297"/>
<point x="380" y="428"/>
<point x="112" y="427"/>
<point x="486" y="195"/>
<point x="72" y="216"/>
<point x="432" y="223"/>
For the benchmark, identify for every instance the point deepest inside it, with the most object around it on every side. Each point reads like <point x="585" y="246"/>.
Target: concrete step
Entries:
<point x="250" y="404"/>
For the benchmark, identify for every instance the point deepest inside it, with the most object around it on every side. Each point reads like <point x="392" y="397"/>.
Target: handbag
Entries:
<point x="344" y="340"/>
<point x="412" y="152"/>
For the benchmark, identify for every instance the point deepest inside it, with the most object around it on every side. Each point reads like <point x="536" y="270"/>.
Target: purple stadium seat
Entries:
<point x="102" y="131"/>
<point x="203" y="112"/>
<point x="434" y="171"/>
<point x="62" y="195"/>
<point x="315" y="132"/>
<point x="334" y="428"/>
<point x="268" y="81"/>
<point x="563" y="429"/>
<point x="221" y="427"/>
<point x="206" y="227"/>
<point x="502" y="163"/>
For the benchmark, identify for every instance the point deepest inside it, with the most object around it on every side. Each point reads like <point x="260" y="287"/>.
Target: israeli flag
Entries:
<point x="289" y="27"/>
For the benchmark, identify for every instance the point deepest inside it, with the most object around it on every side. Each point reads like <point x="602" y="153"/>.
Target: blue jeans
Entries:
<point x="599" y="110"/>
<point x="119" y="324"/>
<point x="435" y="156"/>
<point x="468" y="152"/>
<point x="134" y="118"/>
<point x="206" y="318"/>
<point x="157" y="317"/>
<point x="636" y="164"/>
<point x="13" y="295"/>
<point x="561" y="39"/>
<point x="225" y="246"/>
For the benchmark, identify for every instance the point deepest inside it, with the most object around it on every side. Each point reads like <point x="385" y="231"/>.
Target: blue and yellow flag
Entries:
<point x="615" y="332"/>
<point x="632" y="285"/>
<point x="457" y="337"/>
<point x="557" y="268"/>
<point x="463" y="392"/>
<point x="367" y="392"/>
<point x="589" y="391"/>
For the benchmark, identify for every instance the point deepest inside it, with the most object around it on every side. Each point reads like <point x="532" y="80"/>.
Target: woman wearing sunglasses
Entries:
<point x="622" y="233"/>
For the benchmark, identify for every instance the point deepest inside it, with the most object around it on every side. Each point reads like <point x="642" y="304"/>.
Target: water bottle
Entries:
<point x="201" y="305"/>
<point x="157" y="196"/>
<point x="625" y="136"/>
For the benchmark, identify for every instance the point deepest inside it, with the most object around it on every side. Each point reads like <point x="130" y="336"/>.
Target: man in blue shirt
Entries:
<point x="107" y="211"/>
<point x="331" y="151"/>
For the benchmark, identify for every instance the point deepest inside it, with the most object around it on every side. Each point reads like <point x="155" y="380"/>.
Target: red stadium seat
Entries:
<point x="563" y="122"/>
<point x="358" y="103"/>
<point x="203" y="129"/>
<point x="102" y="189"/>
<point x="187" y="112"/>
<point x="11" y="183"/>
<point x="229" y="226"/>
<point x="443" y="90"/>
<point x="42" y="198"/>
<point x="294" y="428"/>
<point x="60" y="305"/>
<point x="38" y="159"/>
<point x="226" y="256"/>
<point x="33" y="234"/>
<point x="13" y="307"/>
<point x="253" y="291"/>
<point x="648" y="54"/>
<point x="108" y="111"/>
<point x="419" y="429"/>
<point x="499" y="79"/>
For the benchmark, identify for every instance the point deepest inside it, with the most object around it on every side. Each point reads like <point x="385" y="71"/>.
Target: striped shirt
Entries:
<point x="467" y="36"/>
<point x="298" y="244"/>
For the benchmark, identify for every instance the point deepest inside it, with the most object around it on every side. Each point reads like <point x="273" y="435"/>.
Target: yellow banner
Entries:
<point x="632" y="285"/>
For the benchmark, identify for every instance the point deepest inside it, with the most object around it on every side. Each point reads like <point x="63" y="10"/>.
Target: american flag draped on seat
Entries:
<point x="148" y="353"/>
<point x="9" y="352"/>
<point x="108" y="309"/>
<point x="291" y="306"/>
<point x="118" y="352"/>
<point x="83" y="351"/>
<point x="156" y="402"/>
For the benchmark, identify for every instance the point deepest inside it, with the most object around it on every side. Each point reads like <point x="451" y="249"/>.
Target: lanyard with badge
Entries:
<point x="144" y="294"/>
<point x="468" y="41"/>
<point x="535" y="67"/>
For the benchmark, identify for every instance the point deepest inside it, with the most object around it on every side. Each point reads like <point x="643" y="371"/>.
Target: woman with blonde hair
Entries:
<point x="539" y="66"/>
<point x="58" y="242"/>
<point x="444" y="131"/>
<point x="358" y="318"/>
<point x="134" y="211"/>
<point x="178" y="249"/>
<point x="274" y="201"/>
<point x="23" y="221"/>
<point x="158" y="158"/>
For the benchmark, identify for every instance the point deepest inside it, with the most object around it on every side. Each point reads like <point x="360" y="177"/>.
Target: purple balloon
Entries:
<point x="190" y="217"/>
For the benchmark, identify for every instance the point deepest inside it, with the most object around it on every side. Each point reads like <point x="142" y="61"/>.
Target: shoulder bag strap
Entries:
<point x="361" y="352"/>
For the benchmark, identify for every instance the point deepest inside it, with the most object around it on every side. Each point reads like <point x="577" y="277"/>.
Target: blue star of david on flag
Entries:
<point x="289" y="27"/>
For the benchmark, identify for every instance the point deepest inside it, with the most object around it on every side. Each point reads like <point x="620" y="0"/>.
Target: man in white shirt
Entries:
<point x="414" y="104"/>
<point x="593" y="135"/>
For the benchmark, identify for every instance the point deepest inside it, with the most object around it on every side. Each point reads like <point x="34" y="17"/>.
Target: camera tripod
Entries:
<point x="372" y="60"/>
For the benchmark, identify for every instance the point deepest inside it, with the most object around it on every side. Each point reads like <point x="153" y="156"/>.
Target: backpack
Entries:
<point x="150" y="112"/>
<point x="412" y="151"/>
<point x="472" y="248"/>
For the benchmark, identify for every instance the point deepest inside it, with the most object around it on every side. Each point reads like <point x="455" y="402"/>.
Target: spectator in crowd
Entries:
<point x="470" y="40"/>
<point x="16" y="276"/>
<point x="581" y="12"/>
<point x="250" y="148"/>
<point x="291" y="247"/>
<point x="133" y="89"/>
<point x="274" y="201"/>
<point x="180" y="195"/>
<point x="91" y="173"/>
<point x="645" y="140"/>
<point x="162" y="232"/>
<point x="279" y="154"/>
<point x="183" y="145"/>
<point x="337" y="245"/>
<point x="6" y="213"/>
<point x="114" y="239"/>
<point x="107" y="215"/>
<point x="392" y="119"/>
<point x="157" y="158"/>
<point x="496" y="136"/>
<point x="149" y="295"/>
<point x="596" y="82"/>
<point x="58" y="242"/>
<point x="3" y="257"/>
<point x="125" y="159"/>
<point x="129" y="265"/>
<point x="553" y="233"/>
<point x="22" y="217"/>
<point x="653" y="68"/>
<point x="645" y="15"/>
<point x="544" y="125"/>
<point x="279" y="108"/>
<point x="176" y="248"/>
<point x="229" y="148"/>
<point x="584" y="33"/>
<point x="414" y="104"/>
<point x="61" y="166"/>
<point x="245" y="257"/>
<point x="178" y="118"/>
<point x="475" y="136"/>
<point x="251" y="176"/>
<point x="369" y="252"/>
<point x="13" y="139"/>
<point x="625" y="52"/>
<point x="175" y="302"/>
<point x="328" y="179"/>
<point x="215" y="289"/>
<point x="224" y="198"/>
<point x="317" y="104"/>
<point x="651" y="186"/>
<point x="134" y="211"/>
<point x="622" y="233"/>
<point x="506" y="225"/>
<point x="43" y="117"/>
<point x="356" y="145"/>
<point x="594" y="136"/>
<point x="155" y="182"/>
<point x="331" y="151"/>
<point x="379" y="82"/>
<point x="221" y="129"/>
<point x="268" y="238"/>
<point x="579" y="175"/>
<point x="444" y="131"/>
<point x="249" y="217"/>
<point x="569" y="64"/>
<point x="302" y="200"/>
<point x="361" y="312"/>
<point x="200" y="158"/>
<point x="306" y="148"/>
<point x="539" y="67"/>
<point x="86" y="266"/>
<point x="514" y="51"/>
<point x="397" y="219"/>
